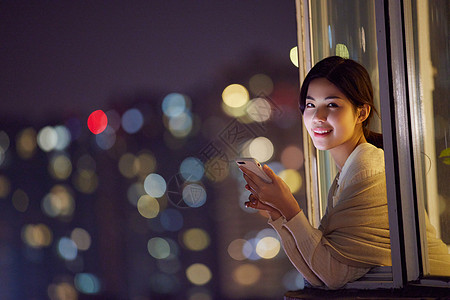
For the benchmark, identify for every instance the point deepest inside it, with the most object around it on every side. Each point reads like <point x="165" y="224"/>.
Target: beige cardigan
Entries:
<point x="354" y="233"/>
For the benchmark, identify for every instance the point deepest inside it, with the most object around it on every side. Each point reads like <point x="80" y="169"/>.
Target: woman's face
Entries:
<point x="329" y="116"/>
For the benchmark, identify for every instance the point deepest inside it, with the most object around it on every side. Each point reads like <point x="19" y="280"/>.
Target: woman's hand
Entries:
<point x="256" y="204"/>
<point x="275" y="194"/>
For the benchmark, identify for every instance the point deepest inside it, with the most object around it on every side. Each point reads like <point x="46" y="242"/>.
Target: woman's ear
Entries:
<point x="363" y="113"/>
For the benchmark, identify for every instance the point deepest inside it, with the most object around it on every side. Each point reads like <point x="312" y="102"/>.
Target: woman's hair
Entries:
<point x="352" y="80"/>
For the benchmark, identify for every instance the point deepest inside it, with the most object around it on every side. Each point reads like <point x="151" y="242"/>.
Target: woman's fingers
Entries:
<point x="255" y="203"/>
<point x="252" y="186"/>
<point x="269" y="172"/>
<point x="255" y="178"/>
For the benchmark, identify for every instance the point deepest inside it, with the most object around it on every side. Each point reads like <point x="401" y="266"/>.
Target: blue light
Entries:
<point x="249" y="249"/>
<point x="181" y="125"/>
<point x="64" y="137"/>
<point x="67" y="248"/>
<point x="173" y="105"/>
<point x="87" y="283"/>
<point x="106" y="139"/>
<point x="132" y="120"/>
<point x="155" y="185"/>
<point x="192" y="169"/>
<point x="329" y="36"/>
<point x="164" y="283"/>
<point x="169" y="265"/>
<point x="293" y="280"/>
<point x="171" y="219"/>
<point x="194" y="195"/>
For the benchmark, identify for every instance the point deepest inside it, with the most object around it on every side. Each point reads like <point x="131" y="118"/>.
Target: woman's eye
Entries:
<point x="309" y="105"/>
<point x="332" y="105"/>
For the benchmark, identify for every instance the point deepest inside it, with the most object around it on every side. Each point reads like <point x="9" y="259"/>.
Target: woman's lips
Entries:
<point x="321" y="132"/>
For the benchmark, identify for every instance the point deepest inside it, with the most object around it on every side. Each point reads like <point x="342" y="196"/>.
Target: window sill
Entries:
<point x="409" y="292"/>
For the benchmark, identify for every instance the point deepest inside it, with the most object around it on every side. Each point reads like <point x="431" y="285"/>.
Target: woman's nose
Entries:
<point x="320" y="115"/>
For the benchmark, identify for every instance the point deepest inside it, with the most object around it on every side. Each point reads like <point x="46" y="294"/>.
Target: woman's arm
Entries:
<point x="309" y="242"/>
<point x="287" y="240"/>
<point x="309" y="247"/>
<point x="291" y="250"/>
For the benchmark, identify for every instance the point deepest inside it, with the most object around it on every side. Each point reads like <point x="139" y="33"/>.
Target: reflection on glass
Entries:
<point x="345" y="28"/>
<point x="431" y="126"/>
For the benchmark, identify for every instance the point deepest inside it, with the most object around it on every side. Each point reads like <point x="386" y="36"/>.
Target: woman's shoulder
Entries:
<point x="365" y="161"/>
<point x="368" y="152"/>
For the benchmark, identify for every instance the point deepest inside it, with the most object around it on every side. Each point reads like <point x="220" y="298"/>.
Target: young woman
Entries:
<point x="336" y="100"/>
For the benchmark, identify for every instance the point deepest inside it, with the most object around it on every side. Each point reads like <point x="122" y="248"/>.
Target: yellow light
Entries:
<point x="268" y="247"/>
<point x="235" y="112"/>
<point x="81" y="238"/>
<point x="60" y="167"/>
<point x="198" y="274"/>
<point x="235" y="95"/>
<point x="86" y="162"/>
<point x="26" y="143"/>
<point x="294" y="56"/>
<point x="86" y="181"/>
<point x="246" y="274"/>
<point x="59" y="202"/>
<point x="259" y="110"/>
<point x="37" y="236"/>
<point x="62" y="290"/>
<point x="342" y="51"/>
<point x="292" y="178"/>
<point x="200" y="295"/>
<point x="196" y="239"/>
<point x="261" y="148"/>
<point x="5" y="186"/>
<point x="181" y="125"/>
<point x="148" y="206"/>
<point x="128" y="166"/>
<point x="235" y="249"/>
<point x="147" y="164"/>
<point x="20" y="200"/>
<point x="260" y="84"/>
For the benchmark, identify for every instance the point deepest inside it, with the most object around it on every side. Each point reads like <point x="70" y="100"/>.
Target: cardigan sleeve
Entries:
<point x="304" y="246"/>
<point x="291" y="250"/>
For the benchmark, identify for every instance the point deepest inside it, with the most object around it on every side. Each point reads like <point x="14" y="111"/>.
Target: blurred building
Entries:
<point x="147" y="203"/>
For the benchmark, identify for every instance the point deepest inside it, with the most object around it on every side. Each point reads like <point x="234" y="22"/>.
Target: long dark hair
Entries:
<point x="353" y="80"/>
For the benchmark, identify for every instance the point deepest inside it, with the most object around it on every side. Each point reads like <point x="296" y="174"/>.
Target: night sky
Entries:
<point x="62" y="60"/>
<point x="70" y="57"/>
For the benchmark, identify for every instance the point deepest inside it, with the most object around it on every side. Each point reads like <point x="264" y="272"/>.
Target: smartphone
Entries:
<point x="254" y="166"/>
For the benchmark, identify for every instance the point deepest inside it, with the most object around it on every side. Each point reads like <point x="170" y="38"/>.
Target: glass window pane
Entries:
<point x="345" y="28"/>
<point x="431" y="126"/>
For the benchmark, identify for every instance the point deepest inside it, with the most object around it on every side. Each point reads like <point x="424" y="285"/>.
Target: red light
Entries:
<point x="97" y="122"/>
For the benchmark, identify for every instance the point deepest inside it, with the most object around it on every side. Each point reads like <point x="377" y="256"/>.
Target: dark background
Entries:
<point x="61" y="57"/>
<point x="60" y="61"/>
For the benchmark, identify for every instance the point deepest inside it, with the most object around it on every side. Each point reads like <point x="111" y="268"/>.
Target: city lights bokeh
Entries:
<point x="97" y="121"/>
<point x="235" y="95"/>
<point x="293" y="54"/>
<point x="160" y="171"/>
